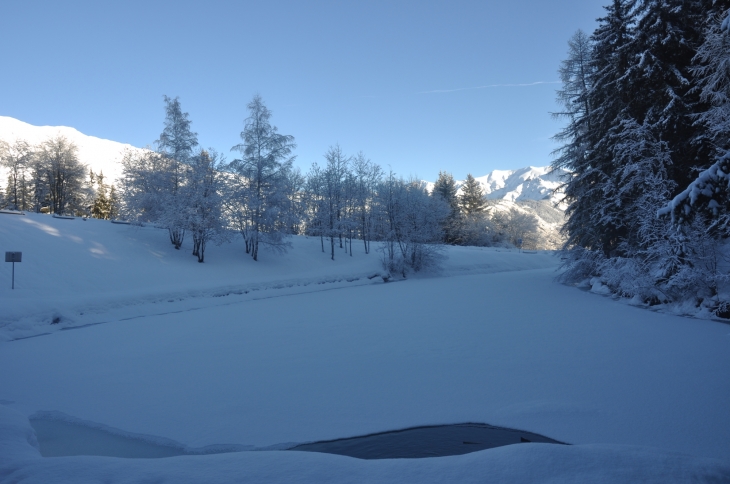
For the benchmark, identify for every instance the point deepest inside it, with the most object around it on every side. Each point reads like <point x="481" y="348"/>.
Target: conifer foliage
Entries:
<point x="645" y="100"/>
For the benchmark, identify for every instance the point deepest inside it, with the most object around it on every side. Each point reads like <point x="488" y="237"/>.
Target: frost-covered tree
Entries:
<point x="334" y="196"/>
<point x="62" y="175"/>
<point x="589" y="159"/>
<point x="176" y="143"/>
<point x="146" y="185"/>
<point x="17" y="158"/>
<point x="663" y="90"/>
<point x="412" y="231"/>
<point x="202" y="192"/>
<point x="264" y="172"/>
<point x="367" y="175"/>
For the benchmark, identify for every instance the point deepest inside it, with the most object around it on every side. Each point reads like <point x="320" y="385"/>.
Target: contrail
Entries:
<point x="489" y="85"/>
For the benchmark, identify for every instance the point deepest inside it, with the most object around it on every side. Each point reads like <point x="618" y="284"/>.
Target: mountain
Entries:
<point x="533" y="191"/>
<point x="530" y="183"/>
<point x="98" y="154"/>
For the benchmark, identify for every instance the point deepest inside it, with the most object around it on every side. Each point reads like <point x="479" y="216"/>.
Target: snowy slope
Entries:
<point x="300" y="348"/>
<point x="100" y="155"/>
<point x="126" y="267"/>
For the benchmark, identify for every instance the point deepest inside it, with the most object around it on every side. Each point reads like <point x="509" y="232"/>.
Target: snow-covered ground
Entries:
<point x="299" y="348"/>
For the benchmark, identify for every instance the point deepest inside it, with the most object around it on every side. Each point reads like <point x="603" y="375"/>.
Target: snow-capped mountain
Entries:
<point x="533" y="191"/>
<point x="100" y="155"/>
<point x="530" y="183"/>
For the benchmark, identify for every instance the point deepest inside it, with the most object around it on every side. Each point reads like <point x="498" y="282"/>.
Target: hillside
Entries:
<point x="100" y="155"/>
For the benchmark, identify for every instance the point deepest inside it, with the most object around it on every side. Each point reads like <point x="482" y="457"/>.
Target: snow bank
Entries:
<point x="524" y="463"/>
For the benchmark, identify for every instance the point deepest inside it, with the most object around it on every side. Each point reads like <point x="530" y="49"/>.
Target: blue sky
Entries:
<point x="418" y="86"/>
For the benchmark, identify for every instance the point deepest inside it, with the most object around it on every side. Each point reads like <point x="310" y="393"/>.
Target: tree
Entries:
<point x="412" y="231"/>
<point x="146" y="186"/>
<point x="334" y="178"/>
<point x="202" y="193"/>
<point x="176" y="143"/>
<point x="367" y="176"/>
<point x="592" y="177"/>
<point x="59" y="169"/>
<point x="663" y="92"/>
<point x="472" y="200"/>
<point x="445" y="189"/>
<point x="708" y="194"/>
<point x="576" y="74"/>
<point x="17" y="158"/>
<point x="264" y="169"/>
<point x="101" y="206"/>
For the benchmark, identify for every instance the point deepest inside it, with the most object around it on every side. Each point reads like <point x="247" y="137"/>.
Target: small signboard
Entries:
<point x="13" y="257"/>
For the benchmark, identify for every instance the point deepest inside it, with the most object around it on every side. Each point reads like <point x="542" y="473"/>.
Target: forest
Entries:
<point x="645" y="104"/>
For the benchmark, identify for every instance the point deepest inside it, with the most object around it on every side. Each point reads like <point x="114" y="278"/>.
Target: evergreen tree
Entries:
<point x="662" y="85"/>
<point x="472" y="200"/>
<point x="445" y="189"/>
<point x="576" y="76"/>
<point x="101" y="206"/>
<point x="594" y="116"/>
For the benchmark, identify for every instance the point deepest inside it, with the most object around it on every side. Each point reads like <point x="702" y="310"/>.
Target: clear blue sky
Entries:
<point x="361" y="74"/>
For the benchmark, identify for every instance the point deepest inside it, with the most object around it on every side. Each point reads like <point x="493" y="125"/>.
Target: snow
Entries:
<point x="180" y="353"/>
<point x="100" y="155"/>
<point x="529" y="183"/>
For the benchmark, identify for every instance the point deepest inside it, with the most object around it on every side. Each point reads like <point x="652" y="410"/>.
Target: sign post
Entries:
<point x="13" y="257"/>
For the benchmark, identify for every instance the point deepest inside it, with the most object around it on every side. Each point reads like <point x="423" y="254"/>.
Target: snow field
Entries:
<point x="643" y="396"/>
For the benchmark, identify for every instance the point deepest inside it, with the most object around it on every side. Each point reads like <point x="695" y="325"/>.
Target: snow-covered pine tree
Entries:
<point x="101" y="204"/>
<point x="445" y="188"/>
<point x="472" y="200"/>
<point x="264" y="173"/>
<point x="709" y="194"/>
<point x="662" y="87"/>
<point x="591" y="164"/>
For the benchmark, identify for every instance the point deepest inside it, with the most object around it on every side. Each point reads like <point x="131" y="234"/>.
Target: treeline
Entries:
<point x="49" y="178"/>
<point x="260" y="196"/>
<point x="646" y="141"/>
